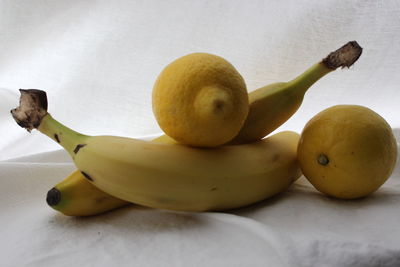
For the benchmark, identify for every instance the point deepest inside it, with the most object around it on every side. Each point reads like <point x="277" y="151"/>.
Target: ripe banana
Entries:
<point x="270" y="106"/>
<point x="75" y="196"/>
<point x="170" y="176"/>
<point x="274" y="104"/>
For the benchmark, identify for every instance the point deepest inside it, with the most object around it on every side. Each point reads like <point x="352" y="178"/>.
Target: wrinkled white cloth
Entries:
<point x="98" y="61"/>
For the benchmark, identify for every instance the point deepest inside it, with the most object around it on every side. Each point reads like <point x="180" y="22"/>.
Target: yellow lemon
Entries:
<point x="347" y="151"/>
<point x="200" y="100"/>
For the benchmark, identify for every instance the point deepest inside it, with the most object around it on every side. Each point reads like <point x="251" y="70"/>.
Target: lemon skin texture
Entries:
<point x="347" y="151"/>
<point x="200" y="100"/>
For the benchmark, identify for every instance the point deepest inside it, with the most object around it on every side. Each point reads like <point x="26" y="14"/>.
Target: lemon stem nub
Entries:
<point x="323" y="159"/>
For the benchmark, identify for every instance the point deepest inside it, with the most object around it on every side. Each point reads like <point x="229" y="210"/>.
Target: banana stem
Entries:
<point x="32" y="114"/>
<point x="69" y="139"/>
<point x="345" y="56"/>
<point x="303" y="82"/>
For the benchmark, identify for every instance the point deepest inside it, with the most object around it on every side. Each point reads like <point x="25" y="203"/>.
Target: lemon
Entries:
<point x="347" y="151"/>
<point x="200" y="100"/>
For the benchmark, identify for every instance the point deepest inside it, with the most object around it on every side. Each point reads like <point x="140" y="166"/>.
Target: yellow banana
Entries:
<point x="75" y="196"/>
<point x="270" y="106"/>
<point x="170" y="176"/>
<point x="274" y="104"/>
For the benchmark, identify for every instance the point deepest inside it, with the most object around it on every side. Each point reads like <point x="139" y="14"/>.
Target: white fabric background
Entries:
<point x="98" y="61"/>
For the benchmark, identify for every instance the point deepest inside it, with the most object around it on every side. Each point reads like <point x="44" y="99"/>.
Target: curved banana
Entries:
<point x="272" y="105"/>
<point x="170" y="176"/>
<point x="75" y="196"/>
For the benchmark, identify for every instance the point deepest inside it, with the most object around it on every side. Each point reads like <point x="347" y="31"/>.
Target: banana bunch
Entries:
<point x="114" y="171"/>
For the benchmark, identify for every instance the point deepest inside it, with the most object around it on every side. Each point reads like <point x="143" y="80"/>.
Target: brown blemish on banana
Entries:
<point x="79" y="146"/>
<point x="101" y="199"/>
<point x="87" y="176"/>
<point x="214" y="188"/>
<point x="57" y="138"/>
<point x="275" y="157"/>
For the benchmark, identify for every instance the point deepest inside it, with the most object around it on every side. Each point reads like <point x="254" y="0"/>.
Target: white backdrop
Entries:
<point x="98" y="61"/>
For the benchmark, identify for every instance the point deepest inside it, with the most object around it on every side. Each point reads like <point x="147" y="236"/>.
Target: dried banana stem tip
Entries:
<point x="32" y="108"/>
<point x="344" y="56"/>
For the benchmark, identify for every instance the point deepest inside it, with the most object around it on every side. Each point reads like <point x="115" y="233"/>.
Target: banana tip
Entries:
<point x="53" y="197"/>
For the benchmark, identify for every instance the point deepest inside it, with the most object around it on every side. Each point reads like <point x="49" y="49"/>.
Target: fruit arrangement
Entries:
<point x="216" y="153"/>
